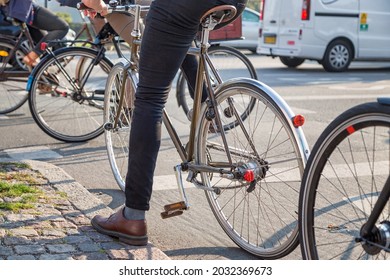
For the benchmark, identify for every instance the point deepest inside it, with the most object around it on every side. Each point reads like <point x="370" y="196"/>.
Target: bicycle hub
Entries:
<point x="378" y="239"/>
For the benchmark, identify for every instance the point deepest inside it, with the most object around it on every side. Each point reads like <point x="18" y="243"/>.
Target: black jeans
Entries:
<point x="170" y="29"/>
<point x="45" y="20"/>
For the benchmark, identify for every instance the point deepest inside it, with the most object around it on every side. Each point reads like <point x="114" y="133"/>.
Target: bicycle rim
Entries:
<point x="345" y="174"/>
<point x="60" y="105"/>
<point x="261" y="219"/>
<point x="13" y="92"/>
<point x="117" y="138"/>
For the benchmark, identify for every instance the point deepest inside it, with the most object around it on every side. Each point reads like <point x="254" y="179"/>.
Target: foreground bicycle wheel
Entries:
<point x="13" y="78"/>
<point x="260" y="217"/>
<point x="67" y="92"/>
<point x="117" y="138"/>
<point x="345" y="175"/>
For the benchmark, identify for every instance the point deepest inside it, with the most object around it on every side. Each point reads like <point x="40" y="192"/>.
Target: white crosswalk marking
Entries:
<point x="37" y="152"/>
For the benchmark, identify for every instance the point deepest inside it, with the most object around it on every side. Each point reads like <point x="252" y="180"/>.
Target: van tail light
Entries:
<point x="262" y="6"/>
<point x="305" y="15"/>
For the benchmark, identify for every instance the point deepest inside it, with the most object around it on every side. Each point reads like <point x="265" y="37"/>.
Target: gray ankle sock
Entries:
<point x="134" y="214"/>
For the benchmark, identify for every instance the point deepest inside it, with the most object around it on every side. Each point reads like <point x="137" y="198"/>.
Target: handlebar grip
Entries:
<point x="81" y="6"/>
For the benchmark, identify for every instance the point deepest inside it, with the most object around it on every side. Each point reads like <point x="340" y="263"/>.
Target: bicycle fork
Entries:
<point x="376" y="238"/>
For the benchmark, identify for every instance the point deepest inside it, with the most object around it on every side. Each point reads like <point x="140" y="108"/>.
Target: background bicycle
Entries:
<point x="15" y="42"/>
<point x="344" y="202"/>
<point x="66" y="88"/>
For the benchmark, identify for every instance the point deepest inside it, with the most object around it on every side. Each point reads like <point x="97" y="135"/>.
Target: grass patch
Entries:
<point x="15" y="172"/>
<point x="18" y="196"/>
<point x="19" y="177"/>
<point x="18" y="165"/>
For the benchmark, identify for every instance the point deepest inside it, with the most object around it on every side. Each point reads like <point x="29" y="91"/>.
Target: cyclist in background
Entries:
<point x="46" y="26"/>
<point x="122" y="23"/>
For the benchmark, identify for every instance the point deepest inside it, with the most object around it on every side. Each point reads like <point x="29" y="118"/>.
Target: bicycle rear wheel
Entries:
<point x="117" y="137"/>
<point x="230" y="63"/>
<point x="261" y="217"/>
<point x="345" y="174"/>
<point x="67" y="93"/>
<point x="13" y="77"/>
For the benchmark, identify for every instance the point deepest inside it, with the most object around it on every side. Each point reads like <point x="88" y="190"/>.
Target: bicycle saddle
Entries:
<point x="221" y="14"/>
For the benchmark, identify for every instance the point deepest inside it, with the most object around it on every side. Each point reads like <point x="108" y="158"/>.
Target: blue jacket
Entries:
<point x="20" y="9"/>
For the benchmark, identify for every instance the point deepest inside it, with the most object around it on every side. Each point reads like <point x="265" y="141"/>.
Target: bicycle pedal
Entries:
<point x="175" y="206"/>
<point x="166" y="215"/>
<point x="174" y="209"/>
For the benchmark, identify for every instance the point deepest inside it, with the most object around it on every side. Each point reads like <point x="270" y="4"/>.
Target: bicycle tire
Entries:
<point x="13" y="90"/>
<point x="345" y="173"/>
<point x="262" y="218"/>
<point x="117" y="138"/>
<point x="222" y="59"/>
<point x="58" y="105"/>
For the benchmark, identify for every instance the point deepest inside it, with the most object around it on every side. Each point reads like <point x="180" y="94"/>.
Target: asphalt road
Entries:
<point x="309" y="90"/>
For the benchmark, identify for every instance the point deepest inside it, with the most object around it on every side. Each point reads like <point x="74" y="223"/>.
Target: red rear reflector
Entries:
<point x="291" y="43"/>
<point x="350" y="129"/>
<point x="249" y="176"/>
<point x="43" y="46"/>
<point x="298" y="120"/>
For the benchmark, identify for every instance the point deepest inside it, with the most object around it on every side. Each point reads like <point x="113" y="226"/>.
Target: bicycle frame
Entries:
<point x="99" y="44"/>
<point x="383" y="199"/>
<point x="204" y="65"/>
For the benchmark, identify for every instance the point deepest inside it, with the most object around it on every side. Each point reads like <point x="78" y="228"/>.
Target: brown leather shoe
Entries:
<point x="133" y="232"/>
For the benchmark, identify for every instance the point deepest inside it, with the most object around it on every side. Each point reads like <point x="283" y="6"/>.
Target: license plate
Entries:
<point x="270" y="39"/>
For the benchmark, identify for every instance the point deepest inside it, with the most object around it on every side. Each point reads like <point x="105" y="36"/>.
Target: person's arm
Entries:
<point x="98" y="5"/>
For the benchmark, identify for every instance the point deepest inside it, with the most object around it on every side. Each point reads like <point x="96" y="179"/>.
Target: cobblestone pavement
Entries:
<point x="58" y="227"/>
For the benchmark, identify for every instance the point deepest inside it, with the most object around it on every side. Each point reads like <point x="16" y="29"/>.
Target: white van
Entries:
<point x="333" y="32"/>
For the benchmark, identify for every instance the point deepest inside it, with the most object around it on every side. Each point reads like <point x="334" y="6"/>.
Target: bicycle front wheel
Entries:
<point x="67" y="93"/>
<point x="13" y="77"/>
<point x="260" y="217"/>
<point x="229" y="62"/>
<point x="117" y="135"/>
<point x="345" y="174"/>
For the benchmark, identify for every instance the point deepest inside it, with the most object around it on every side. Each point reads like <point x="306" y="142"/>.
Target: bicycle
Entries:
<point x="250" y="171"/>
<point x="228" y="61"/>
<point x="344" y="204"/>
<point x="13" y="72"/>
<point x="66" y="89"/>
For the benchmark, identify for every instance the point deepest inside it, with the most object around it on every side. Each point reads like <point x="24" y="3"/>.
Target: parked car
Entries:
<point x="250" y="32"/>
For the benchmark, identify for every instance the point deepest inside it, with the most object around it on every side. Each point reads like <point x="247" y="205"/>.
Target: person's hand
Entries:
<point x="98" y="6"/>
<point x="3" y="2"/>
